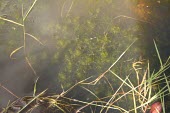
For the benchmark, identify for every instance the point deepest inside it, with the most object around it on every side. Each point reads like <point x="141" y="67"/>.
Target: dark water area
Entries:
<point x="64" y="42"/>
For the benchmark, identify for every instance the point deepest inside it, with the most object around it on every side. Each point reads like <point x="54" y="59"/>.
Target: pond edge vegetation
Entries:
<point x="142" y="94"/>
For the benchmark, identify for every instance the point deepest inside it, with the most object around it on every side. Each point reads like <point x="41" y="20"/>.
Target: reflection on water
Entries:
<point x="70" y="41"/>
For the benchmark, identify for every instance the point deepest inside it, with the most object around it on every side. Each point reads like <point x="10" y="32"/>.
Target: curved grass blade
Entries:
<point x="34" y="38"/>
<point x="15" y="51"/>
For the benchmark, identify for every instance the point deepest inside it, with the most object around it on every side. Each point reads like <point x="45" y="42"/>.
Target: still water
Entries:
<point x="57" y="44"/>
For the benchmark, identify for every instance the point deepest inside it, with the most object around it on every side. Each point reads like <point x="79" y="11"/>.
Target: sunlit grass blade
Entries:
<point x="62" y="9"/>
<point x="135" y="89"/>
<point x="122" y="54"/>
<point x="70" y="8"/>
<point x="35" y="87"/>
<point x="10" y="92"/>
<point x="4" y="110"/>
<point x="158" y="53"/>
<point x="102" y="75"/>
<point x="32" y="101"/>
<point x="95" y="103"/>
<point x="91" y="93"/>
<point x="133" y="96"/>
<point x="13" y="52"/>
<point x="60" y="108"/>
<point x="34" y="38"/>
<point x="29" y="10"/>
<point x="65" y="92"/>
<point x="163" y="103"/>
<point x="133" y="18"/>
<point x="114" y="95"/>
<point x="11" y="21"/>
<point x="167" y="82"/>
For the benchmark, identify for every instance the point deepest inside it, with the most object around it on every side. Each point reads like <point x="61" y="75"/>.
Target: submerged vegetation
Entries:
<point x="81" y="61"/>
<point x="140" y="95"/>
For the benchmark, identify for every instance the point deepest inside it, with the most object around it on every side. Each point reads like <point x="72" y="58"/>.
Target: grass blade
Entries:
<point x="158" y="53"/>
<point x="11" y="21"/>
<point x="32" y="101"/>
<point x="34" y="38"/>
<point x="35" y="87"/>
<point x="30" y="9"/>
<point x="15" y="52"/>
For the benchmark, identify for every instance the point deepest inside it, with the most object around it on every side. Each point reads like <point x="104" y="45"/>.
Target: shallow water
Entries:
<point x="75" y="40"/>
